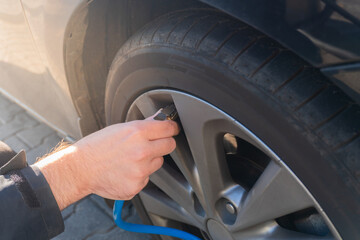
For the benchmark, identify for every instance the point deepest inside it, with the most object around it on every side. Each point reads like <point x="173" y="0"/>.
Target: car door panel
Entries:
<point x="32" y="72"/>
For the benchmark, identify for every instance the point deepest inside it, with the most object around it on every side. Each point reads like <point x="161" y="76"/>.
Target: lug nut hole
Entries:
<point x="226" y="210"/>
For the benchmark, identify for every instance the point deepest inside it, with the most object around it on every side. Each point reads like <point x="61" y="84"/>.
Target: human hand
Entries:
<point x="114" y="162"/>
<point x="118" y="160"/>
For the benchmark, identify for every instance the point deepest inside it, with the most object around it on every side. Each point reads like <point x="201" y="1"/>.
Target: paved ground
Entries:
<point x="89" y="218"/>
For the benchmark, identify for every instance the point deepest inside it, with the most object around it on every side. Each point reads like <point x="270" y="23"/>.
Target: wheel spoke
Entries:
<point x="199" y="123"/>
<point x="158" y="203"/>
<point x="271" y="230"/>
<point x="183" y="158"/>
<point x="176" y="187"/>
<point x="275" y="194"/>
<point x="146" y="105"/>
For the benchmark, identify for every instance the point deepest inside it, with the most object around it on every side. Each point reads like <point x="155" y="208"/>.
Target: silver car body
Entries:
<point x="32" y="60"/>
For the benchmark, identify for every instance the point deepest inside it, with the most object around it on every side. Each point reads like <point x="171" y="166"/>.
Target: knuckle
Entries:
<point x="170" y="125"/>
<point x="137" y="127"/>
<point x="142" y="153"/>
<point x="136" y="131"/>
<point x="146" y="181"/>
<point x="137" y="188"/>
<point x="158" y="163"/>
<point x="142" y="185"/>
<point x="140" y="127"/>
<point x="142" y="172"/>
<point x="172" y="143"/>
<point x="139" y="173"/>
<point x="127" y="198"/>
<point x="134" y="191"/>
<point x="174" y="127"/>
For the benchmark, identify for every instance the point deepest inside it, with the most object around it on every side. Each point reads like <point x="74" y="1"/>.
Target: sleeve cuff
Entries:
<point x="49" y="208"/>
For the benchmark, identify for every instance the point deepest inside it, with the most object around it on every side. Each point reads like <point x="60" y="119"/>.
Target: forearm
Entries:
<point x="63" y="172"/>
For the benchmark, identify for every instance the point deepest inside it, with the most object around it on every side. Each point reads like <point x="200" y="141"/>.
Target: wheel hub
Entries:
<point x="217" y="231"/>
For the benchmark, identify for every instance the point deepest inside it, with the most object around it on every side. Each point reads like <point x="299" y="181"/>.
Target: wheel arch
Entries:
<point x="95" y="32"/>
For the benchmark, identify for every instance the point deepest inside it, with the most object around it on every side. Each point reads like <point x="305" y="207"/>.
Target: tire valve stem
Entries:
<point x="167" y="113"/>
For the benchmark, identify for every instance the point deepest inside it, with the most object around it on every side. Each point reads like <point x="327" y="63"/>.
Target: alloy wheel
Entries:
<point x="223" y="182"/>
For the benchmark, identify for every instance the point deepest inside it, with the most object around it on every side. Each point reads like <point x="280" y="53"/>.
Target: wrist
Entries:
<point x="63" y="171"/>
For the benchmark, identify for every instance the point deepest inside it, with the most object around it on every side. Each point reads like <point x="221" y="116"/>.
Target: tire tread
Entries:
<point x="299" y="88"/>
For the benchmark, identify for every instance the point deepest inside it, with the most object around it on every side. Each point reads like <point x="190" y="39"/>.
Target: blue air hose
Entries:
<point x="131" y="227"/>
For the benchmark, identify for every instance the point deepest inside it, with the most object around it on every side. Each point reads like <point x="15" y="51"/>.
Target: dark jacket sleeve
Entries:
<point x="28" y="209"/>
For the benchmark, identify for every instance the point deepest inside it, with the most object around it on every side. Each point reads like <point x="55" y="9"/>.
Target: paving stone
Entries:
<point x="9" y="111"/>
<point x="34" y="136"/>
<point x="16" y="144"/>
<point x="132" y="217"/>
<point x="100" y="202"/>
<point x="21" y="121"/>
<point x="49" y="143"/>
<point x="86" y="221"/>
<point x="67" y="212"/>
<point x="118" y="233"/>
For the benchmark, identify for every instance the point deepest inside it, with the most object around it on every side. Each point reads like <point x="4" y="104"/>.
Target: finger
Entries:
<point x="162" y="146"/>
<point x="156" y="164"/>
<point x="160" y="129"/>
<point x="145" y="182"/>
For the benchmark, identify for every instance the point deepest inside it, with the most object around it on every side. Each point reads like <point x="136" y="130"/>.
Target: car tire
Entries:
<point x="305" y="119"/>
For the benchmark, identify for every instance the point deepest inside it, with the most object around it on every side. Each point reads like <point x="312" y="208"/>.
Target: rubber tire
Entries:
<point x="309" y="122"/>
